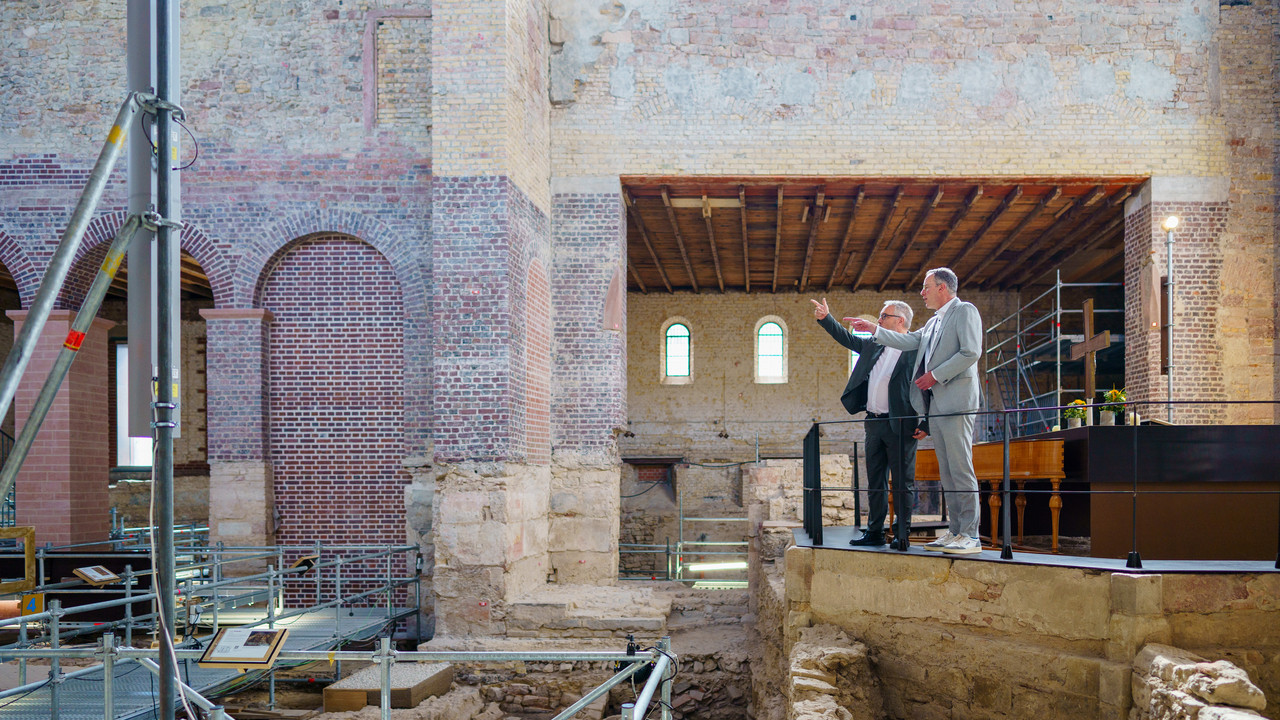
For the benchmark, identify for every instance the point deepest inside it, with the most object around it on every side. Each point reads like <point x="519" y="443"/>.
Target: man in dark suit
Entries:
<point x="880" y="384"/>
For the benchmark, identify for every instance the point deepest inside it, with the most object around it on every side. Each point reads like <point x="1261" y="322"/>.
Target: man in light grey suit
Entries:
<point x="946" y="382"/>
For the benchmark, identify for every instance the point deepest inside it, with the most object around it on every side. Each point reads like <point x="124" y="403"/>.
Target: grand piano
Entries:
<point x="1205" y="492"/>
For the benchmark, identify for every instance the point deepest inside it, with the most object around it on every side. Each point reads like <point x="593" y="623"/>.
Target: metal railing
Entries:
<point x="813" y="489"/>
<point x="659" y="658"/>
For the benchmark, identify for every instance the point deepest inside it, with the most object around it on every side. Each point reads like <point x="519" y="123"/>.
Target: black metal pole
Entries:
<point x="857" y="501"/>
<point x="1006" y="546"/>
<point x="1135" y="560"/>
<point x="166" y="251"/>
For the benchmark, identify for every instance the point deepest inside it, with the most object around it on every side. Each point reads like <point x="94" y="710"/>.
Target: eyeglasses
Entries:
<point x="888" y="315"/>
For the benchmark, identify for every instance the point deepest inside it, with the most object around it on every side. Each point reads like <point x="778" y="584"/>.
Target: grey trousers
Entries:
<point x="953" y="440"/>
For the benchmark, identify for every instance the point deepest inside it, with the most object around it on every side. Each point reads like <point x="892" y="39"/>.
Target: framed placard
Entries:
<point x="96" y="575"/>
<point x="245" y="648"/>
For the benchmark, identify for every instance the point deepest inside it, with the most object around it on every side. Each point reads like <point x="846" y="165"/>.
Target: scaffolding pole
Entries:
<point x="64" y="255"/>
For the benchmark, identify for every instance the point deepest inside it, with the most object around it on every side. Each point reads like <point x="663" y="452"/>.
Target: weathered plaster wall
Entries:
<point x="953" y="88"/>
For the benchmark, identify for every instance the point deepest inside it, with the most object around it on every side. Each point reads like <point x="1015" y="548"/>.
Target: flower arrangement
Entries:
<point x="1076" y="409"/>
<point x="1113" y="396"/>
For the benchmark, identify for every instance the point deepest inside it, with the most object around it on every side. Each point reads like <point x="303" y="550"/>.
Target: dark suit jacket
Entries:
<point x="854" y="397"/>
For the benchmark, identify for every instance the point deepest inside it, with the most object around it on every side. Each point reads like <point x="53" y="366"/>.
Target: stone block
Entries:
<point x="1222" y="683"/>
<point x="411" y="683"/>
<point x="584" y="534"/>
<point x="1136" y="594"/>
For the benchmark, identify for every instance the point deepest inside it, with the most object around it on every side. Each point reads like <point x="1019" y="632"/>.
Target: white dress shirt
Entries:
<point x="878" y="382"/>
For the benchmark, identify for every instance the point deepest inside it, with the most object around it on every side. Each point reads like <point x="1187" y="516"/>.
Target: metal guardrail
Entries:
<point x="812" y="490"/>
<point x="659" y="658"/>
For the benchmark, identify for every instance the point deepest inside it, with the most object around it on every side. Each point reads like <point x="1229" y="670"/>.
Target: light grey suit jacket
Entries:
<point x="957" y="345"/>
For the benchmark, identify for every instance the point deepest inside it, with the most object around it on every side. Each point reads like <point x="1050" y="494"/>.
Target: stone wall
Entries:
<point x="1019" y="640"/>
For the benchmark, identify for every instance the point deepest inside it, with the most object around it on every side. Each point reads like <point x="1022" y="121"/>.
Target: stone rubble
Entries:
<point x="1173" y="684"/>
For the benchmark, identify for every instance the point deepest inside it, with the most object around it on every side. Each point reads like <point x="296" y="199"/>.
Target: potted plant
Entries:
<point x="1115" y="398"/>
<point x="1074" y="413"/>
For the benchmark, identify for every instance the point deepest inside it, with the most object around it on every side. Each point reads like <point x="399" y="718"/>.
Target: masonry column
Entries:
<point x="62" y="487"/>
<point x="1198" y="361"/>
<point x="491" y="308"/>
<point x="241" y="498"/>
<point x="589" y="297"/>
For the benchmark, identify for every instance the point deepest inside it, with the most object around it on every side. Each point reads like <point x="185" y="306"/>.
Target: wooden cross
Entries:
<point x="1087" y="349"/>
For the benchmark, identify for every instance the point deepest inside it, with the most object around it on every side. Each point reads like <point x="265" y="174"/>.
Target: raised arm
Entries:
<point x="835" y="329"/>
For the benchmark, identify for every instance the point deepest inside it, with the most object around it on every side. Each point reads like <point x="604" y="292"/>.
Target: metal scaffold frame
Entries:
<point x="1023" y="356"/>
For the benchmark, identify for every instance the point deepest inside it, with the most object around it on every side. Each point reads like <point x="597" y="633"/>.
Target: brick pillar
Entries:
<point x="1198" y="359"/>
<point x="589" y="231"/>
<point x="491" y="305"/>
<point x="241" y="498"/>
<point x="62" y="488"/>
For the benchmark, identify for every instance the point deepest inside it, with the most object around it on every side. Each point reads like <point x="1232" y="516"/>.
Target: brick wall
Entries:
<point x="589" y="235"/>
<point x="1197" y="275"/>
<point x="336" y="385"/>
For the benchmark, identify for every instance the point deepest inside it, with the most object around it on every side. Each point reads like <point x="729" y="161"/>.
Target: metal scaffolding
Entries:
<point x="1023" y="359"/>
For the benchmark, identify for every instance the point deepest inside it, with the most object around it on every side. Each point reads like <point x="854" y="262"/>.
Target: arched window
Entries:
<point x="771" y="351"/>
<point x="853" y="356"/>
<point x="677" y="352"/>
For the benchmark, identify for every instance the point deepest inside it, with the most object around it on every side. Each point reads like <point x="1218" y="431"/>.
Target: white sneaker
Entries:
<point x="963" y="545"/>
<point x="941" y="542"/>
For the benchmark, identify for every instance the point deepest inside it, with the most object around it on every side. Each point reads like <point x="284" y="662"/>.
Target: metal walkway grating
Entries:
<point x="81" y="698"/>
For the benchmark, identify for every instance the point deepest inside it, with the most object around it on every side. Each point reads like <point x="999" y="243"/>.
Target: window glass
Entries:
<point x="677" y="351"/>
<point x="770" y="353"/>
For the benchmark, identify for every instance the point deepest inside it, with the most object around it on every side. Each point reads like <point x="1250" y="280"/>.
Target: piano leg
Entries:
<point x="1021" y="502"/>
<point x="995" y="503"/>
<point x="1055" y="510"/>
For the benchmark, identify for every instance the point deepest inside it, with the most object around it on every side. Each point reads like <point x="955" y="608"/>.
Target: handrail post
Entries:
<point x="109" y="676"/>
<point x="665" y="644"/>
<point x="22" y="643"/>
<point x="390" y="612"/>
<point x="1135" y="560"/>
<point x="1006" y="545"/>
<point x="55" y="666"/>
<point x="128" y="605"/>
<point x="386" y="656"/>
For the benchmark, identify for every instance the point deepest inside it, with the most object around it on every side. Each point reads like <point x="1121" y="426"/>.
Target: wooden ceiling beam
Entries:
<point x="636" y="276"/>
<point x="1067" y="251"/>
<point x="880" y="236"/>
<point x="1005" y="204"/>
<point x="777" y="240"/>
<point x="1049" y="197"/>
<point x="746" y="253"/>
<point x="711" y="238"/>
<point x="839" y="267"/>
<point x="927" y="265"/>
<point x="675" y="228"/>
<point x="1067" y="220"/>
<point x="818" y="217"/>
<point x="911" y="239"/>
<point x="1106" y="233"/>
<point x="644" y="234"/>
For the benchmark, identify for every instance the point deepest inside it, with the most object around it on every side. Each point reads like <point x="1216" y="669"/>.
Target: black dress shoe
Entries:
<point x="903" y="545"/>
<point x="868" y="540"/>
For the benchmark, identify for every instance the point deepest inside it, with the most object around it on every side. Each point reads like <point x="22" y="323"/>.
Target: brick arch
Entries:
<point x="21" y="269"/>
<point x="93" y="249"/>
<point x="335" y="359"/>
<point x="271" y="245"/>
<point x="253" y="265"/>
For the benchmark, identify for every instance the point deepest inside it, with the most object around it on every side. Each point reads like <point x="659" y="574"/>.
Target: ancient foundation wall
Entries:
<point x="964" y="638"/>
